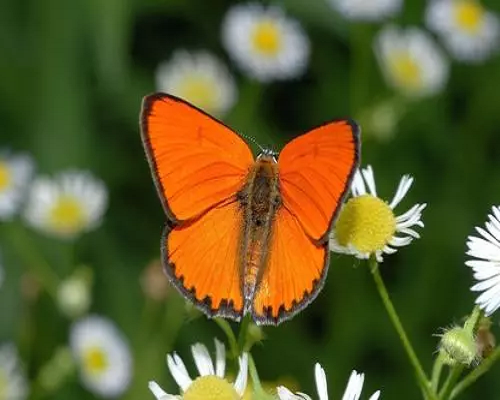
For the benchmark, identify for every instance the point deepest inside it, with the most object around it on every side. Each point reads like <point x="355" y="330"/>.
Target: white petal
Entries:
<point x="320" y="376"/>
<point x="358" y="187"/>
<point x="220" y="358"/>
<point x="370" y="179"/>
<point x="375" y="395"/>
<point x="179" y="371"/>
<point x="202" y="359"/>
<point x="159" y="393"/>
<point x="285" y="394"/>
<point x="354" y="386"/>
<point x="403" y="187"/>
<point x="400" y="241"/>
<point x="241" y="380"/>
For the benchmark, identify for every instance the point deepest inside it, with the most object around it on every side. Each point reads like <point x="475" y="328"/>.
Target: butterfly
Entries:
<point x="245" y="235"/>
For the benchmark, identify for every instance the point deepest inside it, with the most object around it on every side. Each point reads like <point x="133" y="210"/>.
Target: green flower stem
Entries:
<point x="436" y="371"/>
<point x="421" y="376"/>
<point x="453" y="376"/>
<point x="257" y="386"/>
<point x="33" y="260"/>
<point x="242" y="336"/>
<point x="231" y="338"/>
<point x="470" y="378"/>
<point x="470" y="324"/>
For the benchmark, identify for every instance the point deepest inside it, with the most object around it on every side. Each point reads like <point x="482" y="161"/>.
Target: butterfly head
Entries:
<point x="268" y="154"/>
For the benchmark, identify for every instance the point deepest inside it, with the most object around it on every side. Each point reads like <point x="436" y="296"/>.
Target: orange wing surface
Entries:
<point x="197" y="161"/>
<point x="203" y="260"/>
<point x="315" y="173"/>
<point x="295" y="272"/>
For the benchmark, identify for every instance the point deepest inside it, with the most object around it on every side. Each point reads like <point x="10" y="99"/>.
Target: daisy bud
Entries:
<point x="459" y="346"/>
<point x="73" y="295"/>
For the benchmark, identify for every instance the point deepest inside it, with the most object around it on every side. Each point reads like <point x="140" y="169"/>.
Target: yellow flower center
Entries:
<point x="200" y="91"/>
<point x="67" y="215"/>
<point x="367" y="223"/>
<point x="5" y="178"/>
<point x="406" y="70"/>
<point x="210" y="387"/>
<point x="95" y="360"/>
<point x="469" y="15"/>
<point x="267" y="38"/>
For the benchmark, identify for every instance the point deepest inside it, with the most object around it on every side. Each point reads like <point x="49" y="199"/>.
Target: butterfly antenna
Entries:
<point x="253" y="140"/>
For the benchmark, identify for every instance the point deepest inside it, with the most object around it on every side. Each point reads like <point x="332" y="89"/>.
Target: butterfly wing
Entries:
<point x="203" y="262"/>
<point x="295" y="272"/>
<point x="197" y="161"/>
<point x="315" y="171"/>
<point x="199" y="165"/>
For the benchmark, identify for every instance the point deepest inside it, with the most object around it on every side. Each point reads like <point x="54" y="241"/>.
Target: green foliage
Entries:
<point x="72" y="76"/>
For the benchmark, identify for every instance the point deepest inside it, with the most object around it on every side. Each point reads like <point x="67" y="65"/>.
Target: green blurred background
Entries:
<point x="72" y="76"/>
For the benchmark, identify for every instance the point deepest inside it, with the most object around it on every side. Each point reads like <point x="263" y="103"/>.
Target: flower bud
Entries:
<point x="459" y="346"/>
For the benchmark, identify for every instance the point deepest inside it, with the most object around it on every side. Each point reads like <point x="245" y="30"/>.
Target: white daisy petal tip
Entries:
<point x="368" y="225"/>
<point x="265" y="43"/>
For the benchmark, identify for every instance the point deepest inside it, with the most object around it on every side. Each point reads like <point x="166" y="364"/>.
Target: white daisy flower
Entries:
<point x="211" y="384"/>
<point x="67" y="205"/>
<point x="352" y="391"/>
<point x="13" y="383"/>
<point x="367" y="10"/>
<point x="102" y="355"/>
<point x="411" y="62"/>
<point x="468" y="30"/>
<point x="200" y="78"/>
<point x="486" y="263"/>
<point x="265" y="43"/>
<point x="15" y="173"/>
<point x="367" y="224"/>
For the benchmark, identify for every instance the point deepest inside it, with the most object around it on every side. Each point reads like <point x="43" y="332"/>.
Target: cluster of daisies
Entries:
<point x="268" y="45"/>
<point x="212" y="382"/>
<point x="63" y="207"/>
<point x="367" y="226"/>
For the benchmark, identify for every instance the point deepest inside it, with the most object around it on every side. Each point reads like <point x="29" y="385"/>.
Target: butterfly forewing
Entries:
<point x="197" y="161"/>
<point x="315" y="173"/>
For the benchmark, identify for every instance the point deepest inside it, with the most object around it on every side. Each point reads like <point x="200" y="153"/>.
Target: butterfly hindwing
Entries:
<point x="294" y="274"/>
<point x="203" y="263"/>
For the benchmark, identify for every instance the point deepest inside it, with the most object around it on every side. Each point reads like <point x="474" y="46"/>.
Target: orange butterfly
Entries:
<point x="245" y="235"/>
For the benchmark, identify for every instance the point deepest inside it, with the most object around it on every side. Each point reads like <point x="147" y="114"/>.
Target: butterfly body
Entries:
<point x="245" y="235"/>
<point x="259" y="201"/>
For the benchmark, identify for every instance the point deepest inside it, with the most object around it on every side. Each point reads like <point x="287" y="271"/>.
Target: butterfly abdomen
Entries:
<point x="259" y="200"/>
